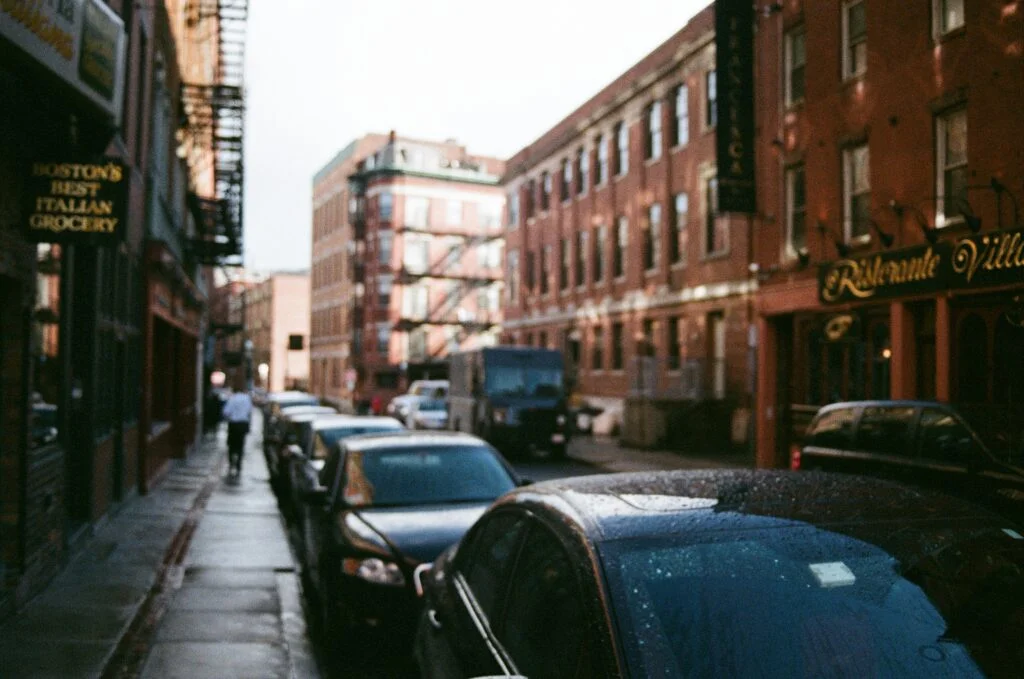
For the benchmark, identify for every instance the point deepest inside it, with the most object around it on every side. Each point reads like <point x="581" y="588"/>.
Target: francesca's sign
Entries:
<point x="76" y="202"/>
<point x="80" y="41"/>
<point x="978" y="260"/>
<point x="734" y="90"/>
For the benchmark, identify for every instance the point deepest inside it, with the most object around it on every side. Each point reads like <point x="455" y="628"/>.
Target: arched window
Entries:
<point x="972" y="360"/>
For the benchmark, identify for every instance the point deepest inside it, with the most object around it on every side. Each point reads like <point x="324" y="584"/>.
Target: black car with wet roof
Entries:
<point x="726" y="573"/>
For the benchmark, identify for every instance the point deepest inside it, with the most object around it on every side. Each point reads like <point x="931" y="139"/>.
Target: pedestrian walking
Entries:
<point x="238" y="413"/>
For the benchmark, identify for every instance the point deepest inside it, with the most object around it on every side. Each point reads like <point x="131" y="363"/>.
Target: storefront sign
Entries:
<point x="974" y="261"/>
<point x="76" y="202"/>
<point x="734" y="83"/>
<point x="80" y="41"/>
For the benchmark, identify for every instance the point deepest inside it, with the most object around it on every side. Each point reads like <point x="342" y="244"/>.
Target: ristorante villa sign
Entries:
<point x="978" y="260"/>
<point x="76" y="202"/>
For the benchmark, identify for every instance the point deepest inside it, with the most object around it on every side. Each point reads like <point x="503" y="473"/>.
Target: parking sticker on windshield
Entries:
<point x="832" y="574"/>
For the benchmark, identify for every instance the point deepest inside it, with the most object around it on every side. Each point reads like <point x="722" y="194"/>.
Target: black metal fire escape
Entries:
<point x="213" y="115"/>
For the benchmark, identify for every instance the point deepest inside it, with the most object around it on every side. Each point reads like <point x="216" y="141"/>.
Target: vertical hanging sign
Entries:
<point x="734" y="50"/>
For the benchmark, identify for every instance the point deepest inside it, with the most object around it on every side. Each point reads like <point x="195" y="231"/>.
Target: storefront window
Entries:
<point x="46" y="346"/>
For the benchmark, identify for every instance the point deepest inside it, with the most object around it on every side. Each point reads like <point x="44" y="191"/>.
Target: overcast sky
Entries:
<point x="495" y="75"/>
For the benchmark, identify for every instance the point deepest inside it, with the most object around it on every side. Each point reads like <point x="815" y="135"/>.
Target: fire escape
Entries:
<point x="213" y="118"/>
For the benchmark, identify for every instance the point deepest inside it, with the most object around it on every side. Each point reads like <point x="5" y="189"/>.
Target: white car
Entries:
<point x="429" y="413"/>
<point x="401" y="406"/>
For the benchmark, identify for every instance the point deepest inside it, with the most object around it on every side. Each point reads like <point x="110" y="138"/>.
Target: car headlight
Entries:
<point x="560" y="420"/>
<point x="374" y="570"/>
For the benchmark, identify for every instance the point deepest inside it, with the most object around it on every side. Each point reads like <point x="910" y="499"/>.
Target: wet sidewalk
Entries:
<point x="194" y="580"/>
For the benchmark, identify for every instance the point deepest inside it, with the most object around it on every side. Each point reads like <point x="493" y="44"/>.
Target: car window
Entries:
<point x="334" y="434"/>
<point x="490" y="557"/>
<point x="885" y="430"/>
<point x="833" y="429"/>
<point x="942" y="437"/>
<point x="542" y="625"/>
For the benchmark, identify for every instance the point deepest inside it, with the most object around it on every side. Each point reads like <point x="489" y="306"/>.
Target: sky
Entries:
<point x="494" y="75"/>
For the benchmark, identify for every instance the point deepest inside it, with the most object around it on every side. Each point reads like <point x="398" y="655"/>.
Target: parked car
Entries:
<point x="917" y="442"/>
<point x="386" y="505"/>
<point x="401" y="406"/>
<point x="274" y="432"/>
<point x="294" y="428"/>
<point x="431" y="413"/>
<point x="726" y="573"/>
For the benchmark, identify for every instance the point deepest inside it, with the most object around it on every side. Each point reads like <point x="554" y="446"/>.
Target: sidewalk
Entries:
<point x="606" y="453"/>
<point x="195" y="579"/>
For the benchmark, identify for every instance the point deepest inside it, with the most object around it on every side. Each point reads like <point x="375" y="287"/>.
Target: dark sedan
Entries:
<point x="387" y="504"/>
<point x="727" y="574"/>
<point x="274" y="433"/>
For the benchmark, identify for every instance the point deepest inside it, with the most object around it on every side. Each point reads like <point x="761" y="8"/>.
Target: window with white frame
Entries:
<point x="951" y="166"/>
<point x="513" y="209"/>
<point x="682" y="118"/>
<point x="489" y="214"/>
<point x="856" y="192"/>
<point x="383" y="337"/>
<point x="622" y="148"/>
<point x="711" y="91"/>
<point x="512" y="289"/>
<point x="654" y="139"/>
<point x="652" y="238"/>
<point x="582" y="171"/>
<point x="716" y="234"/>
<point x="796" y="62"/>
<point x="947" y="16"/>
<point x="621" y="244"/>
<point x="565" y="191"/>
<point x="453" y="213"/>
<point x="384" y="286"/>
<point x="796" y="211"/>
<point x="385" y="241"/>
<point x="855" y="39"/>
<point x="416" y="257"/>
<point x="489" y="254"/>
<point x="680" y="234"/>
<point x="418" y="344"/>
<point x="545" y="191"/>
<point x="385" y="206"/>
<point x="415" y="301"/>
<point x="417" y="211"/>
<point x="601" y="171"/>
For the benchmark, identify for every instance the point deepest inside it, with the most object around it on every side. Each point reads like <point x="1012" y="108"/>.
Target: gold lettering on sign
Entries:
<point x="862" y="278"/>
<point x="996" y="252"/>
<point x="837" y="327"/>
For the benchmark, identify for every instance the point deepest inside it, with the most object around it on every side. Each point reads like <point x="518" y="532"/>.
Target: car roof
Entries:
<point x="354" y="421"/>
<point x="638" y="504"/>
<point x="900" y="403"/>
<point x="311" y="416"/>
<point x="413" y="439"/>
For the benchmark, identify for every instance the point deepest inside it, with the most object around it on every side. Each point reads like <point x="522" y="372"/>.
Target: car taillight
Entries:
<point x="794" y="458"/>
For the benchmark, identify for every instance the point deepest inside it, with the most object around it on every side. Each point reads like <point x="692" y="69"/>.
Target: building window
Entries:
<point x="513" y="277"/>
<point x="513" y="209"/>
<point x="582" y="171"/>
<point x="600" y="238"/>
<point x="581" y="257"/>
<point x="383" y="337"/>
<point x="715" y="232"/>
<point x="416" y="255"/>
<point x="621" y="243"/>
<point x="654" y="140"/>
<point x="617" y="346"/>
<point x="417" y="211"/>
<point x="531" y="198"/>
<point x="652" y="237"/>
<point x="711" y="87"/>
<point x="951" y="175"/>
<point x="415" y="301"/>
<point x="682" y="117"/>
<point x="531" y="271"/>
<point x="385" y="206"/>
<point x="542" y="339"/>
<point x="680" y="234"/>
<point x="384" y="285"/>
<point x="418" y="344"/>
<point x="855" y="39"/>
<point x="565" y="190"/>
<point x="545" y="191"/>
<point x="453" y="213"/>
<point x="856" y="192"/>
<point x="601" y="171"/>
<point x="489" y="214"/>
<point x="674" y="343"/>
<point x="948" y="15"/>
<point x="597" y="349"/>
<point x="385" y="242"/>
<point x="796" y="211"/>
<point x="622" y="148"/>
<point x="564" y="260"/>
<point x="796" y="61"/>
<point x="545" y="269"/>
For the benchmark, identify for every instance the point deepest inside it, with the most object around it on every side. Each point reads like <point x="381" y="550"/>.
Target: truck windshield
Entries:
<point x="524" y="382"/>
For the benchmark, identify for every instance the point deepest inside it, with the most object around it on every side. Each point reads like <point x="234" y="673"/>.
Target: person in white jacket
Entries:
<point x="238" y="413"/>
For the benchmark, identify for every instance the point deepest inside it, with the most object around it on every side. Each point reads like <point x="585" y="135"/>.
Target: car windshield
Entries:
<point x="424" y="476"/>
<point x="524" y="382"/>
<point x="803" y="602"/>
<point x="433" y="405"/>
<point x="332" y="436"/>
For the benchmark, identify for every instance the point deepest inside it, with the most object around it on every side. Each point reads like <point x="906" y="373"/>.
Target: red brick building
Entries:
<point x="615" y="251"/>
<point x="425" y="262"/>
<point x="890" y="141"/>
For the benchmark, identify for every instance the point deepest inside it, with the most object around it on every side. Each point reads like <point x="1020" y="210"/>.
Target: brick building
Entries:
<point x="615" y="252"/>
<point x="330" y="329"/>
<point x="276" y="313"/>
<point x="891" y="163"/>
<point x="424" y="262"/>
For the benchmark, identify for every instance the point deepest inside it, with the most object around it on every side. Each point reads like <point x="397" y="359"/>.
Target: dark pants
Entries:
<point x="236" y="443"/>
